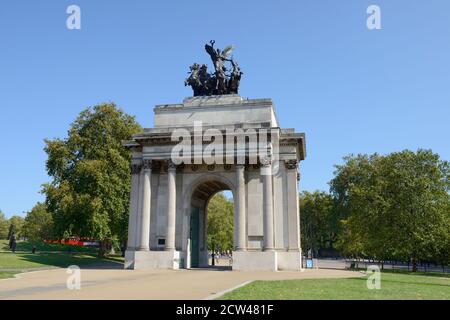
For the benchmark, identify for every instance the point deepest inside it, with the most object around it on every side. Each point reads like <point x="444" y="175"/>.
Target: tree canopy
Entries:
<point x="89" y="194"/>
<point x="38" y="223"/>
<point x="318" y="221"/>
<point x="4" y="226"/>
<point x="15" y="225"/>
<point x="394" y="206"/>
<point x="220" y="222"/>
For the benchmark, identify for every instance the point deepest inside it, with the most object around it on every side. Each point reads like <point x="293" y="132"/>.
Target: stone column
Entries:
<point x="266" y="175"/>
<point x="240" y="208"/>
<point x="171" y="206"/>
<point x="133" y="212"/>
<point x="146" y="203"/>
<point x="293" y="210"/>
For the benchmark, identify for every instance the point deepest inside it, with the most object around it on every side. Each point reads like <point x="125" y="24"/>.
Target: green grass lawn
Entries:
<point x="394" y="286"/>
<point x="21" y="261"/>
<point x="48" y="255"/>
<point x="4" y="275"/>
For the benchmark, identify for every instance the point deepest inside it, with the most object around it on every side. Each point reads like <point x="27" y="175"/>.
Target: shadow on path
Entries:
<point x="214" y="268"/>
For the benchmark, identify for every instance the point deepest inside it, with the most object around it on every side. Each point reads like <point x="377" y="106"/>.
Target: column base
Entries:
<point x="255" y="261"/>
<point x="141" y="260"/>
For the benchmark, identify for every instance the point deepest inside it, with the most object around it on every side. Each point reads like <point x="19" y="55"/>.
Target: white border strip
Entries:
<point x="219" y="294"/>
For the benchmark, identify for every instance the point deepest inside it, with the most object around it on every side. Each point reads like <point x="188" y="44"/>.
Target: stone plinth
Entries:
<point x="141" y="260"/>
<point x="255" y="261"/>
<point x="216" y="110"/>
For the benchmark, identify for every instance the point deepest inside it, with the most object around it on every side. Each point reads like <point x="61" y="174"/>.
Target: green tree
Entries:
<point x="443" y="249"/>
<point x="89" y="194"/>
<point x="4" y="226"/>
<point x="416" y="188"/>
<point x="38" y="223"/>
<point x="220" y="222"/>
<point x="319" y="226"/>
<point x="15" y="225"/>
<point x="355" y="191"/>
<point x="395" y="206"/>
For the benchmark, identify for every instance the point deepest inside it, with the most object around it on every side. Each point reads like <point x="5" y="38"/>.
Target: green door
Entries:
<point x="195" y="226"/>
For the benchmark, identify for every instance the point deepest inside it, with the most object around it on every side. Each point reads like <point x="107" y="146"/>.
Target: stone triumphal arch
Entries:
<point x="167" y="221"/>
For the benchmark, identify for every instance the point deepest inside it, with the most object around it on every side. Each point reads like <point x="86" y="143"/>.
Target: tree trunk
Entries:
<point x="414" y="261"/>
<point x="123" y="248"/>
<point x="101" y="249"/>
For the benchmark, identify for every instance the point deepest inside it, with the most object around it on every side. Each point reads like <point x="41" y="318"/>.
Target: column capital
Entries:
<point x="266" y="161"/>
<point x="171" y="165"/>
<point x="291" y="164"/>
<point x="135" y="168"/>
<point x="147" y="164"/>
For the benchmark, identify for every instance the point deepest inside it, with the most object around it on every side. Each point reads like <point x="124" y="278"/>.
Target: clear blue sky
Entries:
<point x="349" y="89"/>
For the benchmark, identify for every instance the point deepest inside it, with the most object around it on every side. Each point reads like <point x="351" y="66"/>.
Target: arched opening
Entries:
<point x="220" y="229"/>
<point x="209" y="215"/>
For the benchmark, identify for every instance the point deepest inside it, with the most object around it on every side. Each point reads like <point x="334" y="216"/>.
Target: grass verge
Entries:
<point x="6" y="275"/>
<point x="394" y="286"/>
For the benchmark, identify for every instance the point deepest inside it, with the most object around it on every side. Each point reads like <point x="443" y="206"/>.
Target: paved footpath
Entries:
<point x="152" y="284"/>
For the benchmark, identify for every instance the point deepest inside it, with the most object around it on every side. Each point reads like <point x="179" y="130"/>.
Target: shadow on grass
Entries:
<point x="410" y="273"/>
<point x="27" y="246"/>
<point x="419" y="273"/>
<point x="405" y="281"/>
<point x="64" y="260"/>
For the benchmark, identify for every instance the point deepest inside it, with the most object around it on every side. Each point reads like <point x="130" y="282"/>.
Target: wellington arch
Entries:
<point x="169" y="199"/>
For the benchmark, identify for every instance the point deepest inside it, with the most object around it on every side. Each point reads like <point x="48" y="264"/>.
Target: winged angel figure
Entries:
<point x="218" y="58"/>
<point x="219" y="82"/>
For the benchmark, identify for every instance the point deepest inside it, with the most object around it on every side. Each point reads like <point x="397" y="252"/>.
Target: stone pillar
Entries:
<point x="146" y="203"/>
<point x="266" y="175"/>
<point x="240" y="208"/>
<point x="293" y="206"/>
<point x="133" y="212"/>
<point x="171" y="206"/>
